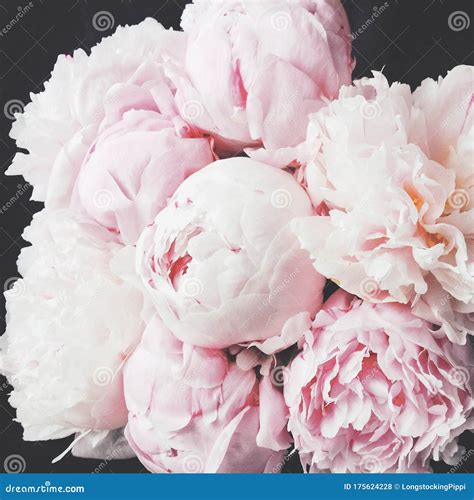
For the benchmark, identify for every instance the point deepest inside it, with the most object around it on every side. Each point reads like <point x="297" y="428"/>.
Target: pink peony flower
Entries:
<point x="390" y="222"/>
<point x="132" y="169"/>
<point x="63" y="349"/>
<point x="446" y="120"/>
<point x="221" y="263"/>
<point x="60" y="124"/>
<point x="446" y="134"/>
<point x="193" y="410"/>
<point x="373" y="390"/>
<point x="248" y="79"/>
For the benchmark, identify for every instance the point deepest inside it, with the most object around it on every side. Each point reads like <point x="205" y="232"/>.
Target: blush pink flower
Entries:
<point x="193" y="410"/>
<point x="221" y="263"/>
<point x="132" y="169"/>
<point x="445" y="132"/>
<point x="247" y="78"/>
<point x="60" y="124"/>
<point x="447" y="116"/>
<point x="374" y="390"/>
<point x="392" y="224"/>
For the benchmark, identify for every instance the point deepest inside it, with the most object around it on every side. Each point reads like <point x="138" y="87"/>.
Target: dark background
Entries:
<point x="411" y="40"/>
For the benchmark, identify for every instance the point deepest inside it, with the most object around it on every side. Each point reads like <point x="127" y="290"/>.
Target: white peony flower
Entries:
<point x="72" y="321"/>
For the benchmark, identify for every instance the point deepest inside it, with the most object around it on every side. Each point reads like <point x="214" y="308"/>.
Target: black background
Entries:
<point x="411" y="40"/>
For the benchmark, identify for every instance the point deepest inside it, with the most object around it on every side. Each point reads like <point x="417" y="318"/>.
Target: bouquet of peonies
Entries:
<point x="243" y="254"/>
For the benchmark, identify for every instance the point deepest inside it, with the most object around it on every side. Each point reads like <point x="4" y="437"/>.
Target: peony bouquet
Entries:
<point x="244" y="254"/>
